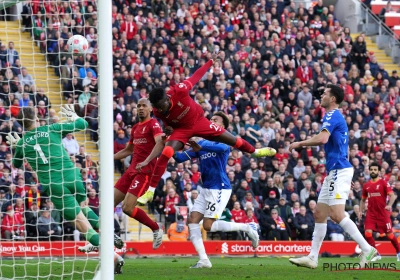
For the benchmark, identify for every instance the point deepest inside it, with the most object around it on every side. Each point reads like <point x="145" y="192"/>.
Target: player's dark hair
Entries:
<point x="337" y="92"/>
<point x="156" y="95"/>
<point x="26" y="117"/>
<point x="224" y="117"/>
<point x="374" y="164"/>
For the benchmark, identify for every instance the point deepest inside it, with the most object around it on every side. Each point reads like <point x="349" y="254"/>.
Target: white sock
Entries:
<point x="350" y="227"/>
<point x="151" y="189"/>
<point x="228" y="226"/>
<point x="317" y="239"/>
<point x="195" y="237"/>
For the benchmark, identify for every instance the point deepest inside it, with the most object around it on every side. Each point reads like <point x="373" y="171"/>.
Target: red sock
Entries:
<point x="161" y="165"/>
<point x="244" y="146"/>
<point x="141" y="216"/>
<point x="394" y="241"/>
<point x="370" y="239"/>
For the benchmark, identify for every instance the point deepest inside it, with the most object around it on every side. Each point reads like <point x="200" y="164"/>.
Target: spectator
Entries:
<point x="12" y="225"/>
<point x="334" y="231"/>
<point x="304" y="224"/>
<point x="119" y="145"/>
<point x="70" y="144"/>
<point x="238" y="214"/>
<point x="31" y="218"/>
<point x="178" y="231"/>
<point x="279" y="229"/>
<point x="47" y="227"/>
<point x="249" y="198"/>
<point x="24" y="78"/>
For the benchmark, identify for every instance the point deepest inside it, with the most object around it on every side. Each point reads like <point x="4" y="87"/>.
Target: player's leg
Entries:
<point x="66" y="203"/>
<point x="138" y="186"/>
<point x="386" y="226"/>
<point x="178" y="137"/>
<point x="208" y="130"/>
<point x="196" y="215"/>
<point x="338" y="194"/>
<point x="320" y="216"/>
<point x="214" y="211"/>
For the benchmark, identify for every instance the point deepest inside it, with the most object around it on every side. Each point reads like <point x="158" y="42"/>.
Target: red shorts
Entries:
<point x="133" y="182"/>
<point x="202" y="128"/>
<point x="382" y="225"/>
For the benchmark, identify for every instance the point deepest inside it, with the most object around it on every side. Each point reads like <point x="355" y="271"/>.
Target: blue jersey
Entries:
<point x="213" y="159"/>
<point x="336" y="148"/>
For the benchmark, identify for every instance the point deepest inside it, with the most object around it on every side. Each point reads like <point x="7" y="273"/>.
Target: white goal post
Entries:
<point x="106" y="141"/>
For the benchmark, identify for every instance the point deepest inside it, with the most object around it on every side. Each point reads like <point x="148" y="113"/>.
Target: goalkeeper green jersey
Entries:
<point x="43" y="149"/>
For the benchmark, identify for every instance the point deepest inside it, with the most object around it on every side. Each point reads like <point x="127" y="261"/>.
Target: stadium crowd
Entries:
<point x="276" y="58"/>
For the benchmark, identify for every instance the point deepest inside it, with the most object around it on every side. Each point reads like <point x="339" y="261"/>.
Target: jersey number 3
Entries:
<point x="38" y="149"/>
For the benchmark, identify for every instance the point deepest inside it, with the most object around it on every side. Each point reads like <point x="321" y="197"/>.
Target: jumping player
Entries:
<point x="145" y="135"/>
<point x="336" y="186"/>
<point x="178" y="110"/>
<point x="215" y="194"/>
<point x="42" y="147"/>
<point x="378" y="214"/>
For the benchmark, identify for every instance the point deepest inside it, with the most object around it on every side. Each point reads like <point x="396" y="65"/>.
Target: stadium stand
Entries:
<point x="277" y="57"/>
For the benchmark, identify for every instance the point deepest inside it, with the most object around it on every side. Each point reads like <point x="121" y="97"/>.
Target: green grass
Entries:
<point x="178" y="268"/>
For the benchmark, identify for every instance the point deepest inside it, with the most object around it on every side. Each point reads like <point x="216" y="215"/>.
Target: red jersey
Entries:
<point x="184" y="111"/>
<point x="143" y="140"/>
<point x="377" y="193"/>
<point x="238" y="215"/>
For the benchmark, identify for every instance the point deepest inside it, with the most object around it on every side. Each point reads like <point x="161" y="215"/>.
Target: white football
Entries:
<point x="77" y="45"/>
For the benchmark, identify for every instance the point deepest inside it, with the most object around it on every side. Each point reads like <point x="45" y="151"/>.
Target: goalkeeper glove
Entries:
<point x="12" y="140"/>
<point x="68" y="112"/>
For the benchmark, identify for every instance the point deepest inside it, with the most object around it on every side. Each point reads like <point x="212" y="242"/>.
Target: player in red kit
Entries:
<point x="378" y="213"/>
<point x="145" y="136"/>
<point x="178" y="110"/>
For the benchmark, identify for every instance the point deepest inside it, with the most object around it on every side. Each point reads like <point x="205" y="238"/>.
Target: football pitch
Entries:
<point x="223" y="268"/>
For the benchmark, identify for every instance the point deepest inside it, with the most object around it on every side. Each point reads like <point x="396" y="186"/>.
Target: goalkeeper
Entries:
<point x="42" y="148"/>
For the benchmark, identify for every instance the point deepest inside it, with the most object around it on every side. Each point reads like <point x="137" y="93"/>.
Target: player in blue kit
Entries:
<point x="215" y="194"/>
<point x="336" y="187"/>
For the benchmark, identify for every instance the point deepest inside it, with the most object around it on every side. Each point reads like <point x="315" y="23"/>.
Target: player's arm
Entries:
<point x="127" y="151"/>
<point x="74" y="122"/>
<point x="195" y="78"/>
<point x="207" y="146"/>
<point x="317" y="140"/>
<point x="18" y="158"/>
<point x="392" y="199"/>
<point x="185" y="155"/>
<point x="158" y="148"/>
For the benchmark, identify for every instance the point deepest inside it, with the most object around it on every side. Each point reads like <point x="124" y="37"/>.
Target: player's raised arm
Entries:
<point x="18" y="158"/>
<point x="195" y="78"/>
<point x="74" y="122"/>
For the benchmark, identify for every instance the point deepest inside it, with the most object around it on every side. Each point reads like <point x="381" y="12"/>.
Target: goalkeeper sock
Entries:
<point x="350" y="227"/>
<point x="93" y="237"/>
<point x="244" y="146"/>
<point x="317" y="239"/>
<point x="160" y="167"/>
<point x="92" y="217"/>
<point x="228" y="226"/>
<point x="141" y="216"/>
<point x="195" y="237"/>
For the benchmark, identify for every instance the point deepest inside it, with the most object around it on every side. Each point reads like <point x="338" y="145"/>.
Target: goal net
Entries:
<point x="37" y="241"/>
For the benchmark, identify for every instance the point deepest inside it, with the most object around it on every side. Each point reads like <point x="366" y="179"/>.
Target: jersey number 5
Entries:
<point x="332" y="186"/>
<point x="38" y="149"/>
